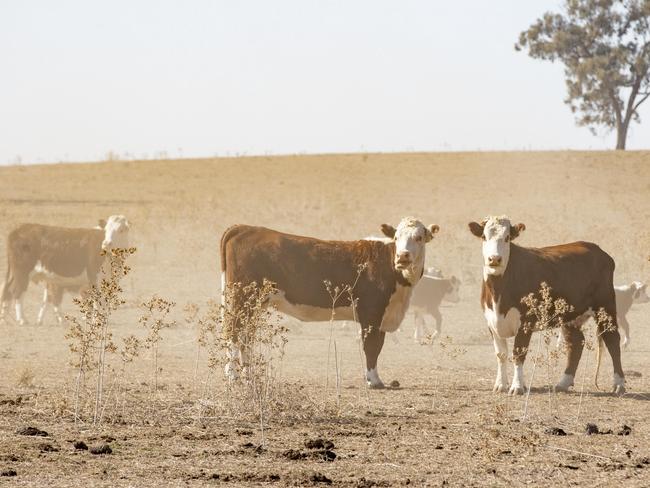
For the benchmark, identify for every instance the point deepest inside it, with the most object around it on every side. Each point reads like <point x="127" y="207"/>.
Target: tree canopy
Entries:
<point x="605" y="48"/>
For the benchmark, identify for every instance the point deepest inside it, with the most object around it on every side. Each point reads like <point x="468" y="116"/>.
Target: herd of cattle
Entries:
<point x="385" y="276"/>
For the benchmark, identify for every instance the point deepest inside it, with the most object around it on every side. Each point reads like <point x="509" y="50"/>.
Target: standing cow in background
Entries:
<point x="426" y="299"/>
<point x="579" y="272"/>
<point x="626" y="296"/>
<point x="298" y="266"/>
<point x="60" y="257"/>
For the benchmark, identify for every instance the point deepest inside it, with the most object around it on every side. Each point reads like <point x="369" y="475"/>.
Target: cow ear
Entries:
<point x="476" y="228"/>
<point x="432" y="230"/>
<point x="101" y="223"/>
<point x="515" y="230"/>
<point x="388" y="230"/>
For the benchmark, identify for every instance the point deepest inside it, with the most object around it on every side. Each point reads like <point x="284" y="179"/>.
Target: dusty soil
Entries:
<point x="441" y="426"/>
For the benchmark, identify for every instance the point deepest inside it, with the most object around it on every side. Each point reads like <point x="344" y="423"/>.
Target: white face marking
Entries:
<point x="496" y="246"/>
<point x="410" y="239"/>
<point x="116" y="233"/>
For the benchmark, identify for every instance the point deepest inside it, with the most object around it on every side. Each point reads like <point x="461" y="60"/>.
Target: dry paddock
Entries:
<point x="441" y="426"/>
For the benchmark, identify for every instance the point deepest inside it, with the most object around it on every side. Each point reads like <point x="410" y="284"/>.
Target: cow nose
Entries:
<point x="494" y="260"/>
<point x="404" y="256"/>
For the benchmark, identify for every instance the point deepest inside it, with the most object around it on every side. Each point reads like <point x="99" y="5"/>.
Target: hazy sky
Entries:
<point x="81" y="78"/>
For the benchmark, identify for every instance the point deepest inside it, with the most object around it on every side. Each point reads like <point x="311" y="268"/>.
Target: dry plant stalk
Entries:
<point x="247" y="322"/>
<point x="544" y="314"/>
<point x="336" y="293"/>
<point x="156" y="311"/>
<point x="90" y="336"/>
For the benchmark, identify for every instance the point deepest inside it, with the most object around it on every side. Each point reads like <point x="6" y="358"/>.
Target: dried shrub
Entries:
<point x="90" y="335"/>
<point x="155" y="319"/>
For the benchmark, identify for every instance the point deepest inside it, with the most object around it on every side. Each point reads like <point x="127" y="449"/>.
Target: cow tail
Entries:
<point x="599" y="357"/>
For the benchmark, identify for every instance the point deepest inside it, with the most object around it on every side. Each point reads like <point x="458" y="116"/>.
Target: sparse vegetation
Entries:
<point x="208" y="436"/>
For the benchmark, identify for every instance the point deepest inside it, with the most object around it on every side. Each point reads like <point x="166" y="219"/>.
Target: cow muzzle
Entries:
<point x="403" y="261"/>
<point x="494" y="261"/>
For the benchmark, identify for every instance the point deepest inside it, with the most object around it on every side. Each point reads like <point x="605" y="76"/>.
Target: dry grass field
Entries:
<point x="441" y="426"/>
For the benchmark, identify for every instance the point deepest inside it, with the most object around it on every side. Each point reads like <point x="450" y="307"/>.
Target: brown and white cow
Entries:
<point x="580" y="272"/>
<point x="298" y="266"/>
<point x="426" y="299"/>
<point x="64" y="259"/>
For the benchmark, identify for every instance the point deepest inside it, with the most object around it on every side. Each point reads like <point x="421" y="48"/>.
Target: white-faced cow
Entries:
<point x="579" y="272"/>
<point x="426" y="299"/>
<point x="298" y="267"/>
<point x="63" y="259"/>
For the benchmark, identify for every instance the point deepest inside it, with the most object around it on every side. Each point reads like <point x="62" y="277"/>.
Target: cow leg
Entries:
<point x="420" y="327"/>
<point x="41" y="312"/>
<point x="438" y="318"/>
<point x="574" y="341"/>
<point x="373" y="341"/>
<point x="519" y="352"/>
<point x="625" y="326"/>
<point x="612" y="339"/>
<point x="55" y="295"/>
<point x="20" y="318"/>
<point x="501" y="351"/>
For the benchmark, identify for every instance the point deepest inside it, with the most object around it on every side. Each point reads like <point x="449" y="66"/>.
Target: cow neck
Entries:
<point x="499" y="289"/>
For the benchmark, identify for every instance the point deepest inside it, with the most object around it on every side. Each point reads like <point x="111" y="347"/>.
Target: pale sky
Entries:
<point x="80" y="78"/>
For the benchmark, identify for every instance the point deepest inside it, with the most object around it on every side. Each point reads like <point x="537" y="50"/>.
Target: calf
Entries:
<point x="626" y="295"/>
<point x="298" y="266"/>
<point x="426" y="299"/>
<point x="60" y="257"/>
<point x="580" y="272"/>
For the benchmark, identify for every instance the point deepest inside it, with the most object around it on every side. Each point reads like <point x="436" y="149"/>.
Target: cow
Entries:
<point x="64" y="259"/>
<point x="427" y="296"/>
<point x="626" y="295"/>
<point x="298" y="267"/>
<point x="580" y="272"/>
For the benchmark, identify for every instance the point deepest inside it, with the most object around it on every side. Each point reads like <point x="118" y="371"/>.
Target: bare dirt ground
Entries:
<point x="441" y="426"/>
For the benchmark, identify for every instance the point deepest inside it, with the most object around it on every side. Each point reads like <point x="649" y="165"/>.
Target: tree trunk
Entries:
<point x="621" y="135"/>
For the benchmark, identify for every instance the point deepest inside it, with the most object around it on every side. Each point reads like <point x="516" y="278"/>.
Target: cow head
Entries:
<point x="116" y="232"/>
<point x="496" y="233"/>
<point x="639" y="295"/>
<point x="452" y="294"/>
<point x="409" y="237"/>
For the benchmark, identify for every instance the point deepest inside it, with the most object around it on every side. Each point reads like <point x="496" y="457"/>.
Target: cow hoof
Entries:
<point x="516" y="390"/>
<point x="376" y="386"/>
<point x="561" y="388"/>
<point x="21" y="322"/>
<point x="619" y="390"/>
<point x="499" y="388"/>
